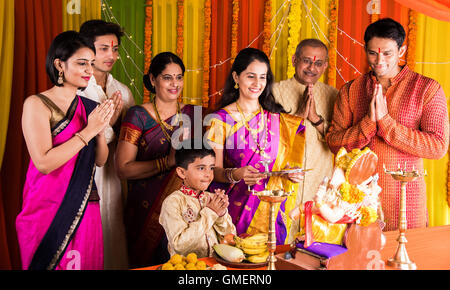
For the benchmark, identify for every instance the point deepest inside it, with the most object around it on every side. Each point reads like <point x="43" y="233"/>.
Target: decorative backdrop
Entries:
<point x="207" y="34"/>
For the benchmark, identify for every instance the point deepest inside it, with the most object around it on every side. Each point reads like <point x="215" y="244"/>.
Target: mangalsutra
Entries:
<point x="164" y="124"/>
<point x="254" y="132"/>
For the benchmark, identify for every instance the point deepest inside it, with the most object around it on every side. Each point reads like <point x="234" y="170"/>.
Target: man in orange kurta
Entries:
<point x="399" y="114"/>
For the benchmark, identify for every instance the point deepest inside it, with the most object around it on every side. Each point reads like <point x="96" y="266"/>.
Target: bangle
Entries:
<point x="162" y="164"/>
<point x="82" y="138"/>
<point x="165" y="162"/>
<point x="158" y="165"/>
<point x="318" y="122"/>
<point x="229" y="175"/>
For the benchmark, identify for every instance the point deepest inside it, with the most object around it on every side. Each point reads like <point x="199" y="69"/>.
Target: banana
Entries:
<point x="256" y="241"/>
<point x="260" y="258"/>
<point x="257" y="237"/>
<point x="254" y="251"/>
<point x="237" y="241"/>
<point x="253" y="244"/>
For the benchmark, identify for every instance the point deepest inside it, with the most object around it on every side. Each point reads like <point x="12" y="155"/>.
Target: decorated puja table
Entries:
<point x="340" y="229"/>
<point x="427" y="247"/>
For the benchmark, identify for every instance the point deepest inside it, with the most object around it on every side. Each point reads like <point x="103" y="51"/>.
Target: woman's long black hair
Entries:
<point x="244" y="58"/>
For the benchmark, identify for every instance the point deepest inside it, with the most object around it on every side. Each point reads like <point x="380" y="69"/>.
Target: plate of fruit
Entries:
<point x="245" y="251"/>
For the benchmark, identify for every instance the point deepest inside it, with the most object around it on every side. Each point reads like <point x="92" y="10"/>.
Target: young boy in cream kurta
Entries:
<point x="194" y="219"/>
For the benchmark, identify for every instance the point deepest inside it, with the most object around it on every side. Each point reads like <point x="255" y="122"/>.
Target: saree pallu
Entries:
<point x="285" y="147"/>
<point x="58" y="227"/>
<point x="146" y="239"/>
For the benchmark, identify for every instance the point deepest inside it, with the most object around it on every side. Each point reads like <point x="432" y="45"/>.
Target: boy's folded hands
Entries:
<point x="218" y="202"/>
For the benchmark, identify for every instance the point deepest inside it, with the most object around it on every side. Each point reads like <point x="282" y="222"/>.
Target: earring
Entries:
<point x="60" y="77"/>
<point x="236" y="86"/>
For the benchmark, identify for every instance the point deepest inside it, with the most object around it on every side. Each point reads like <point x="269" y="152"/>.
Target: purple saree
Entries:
<point x="59" y="226"/>
<point x="285" y="144"/>
<point x="147" y="243"/>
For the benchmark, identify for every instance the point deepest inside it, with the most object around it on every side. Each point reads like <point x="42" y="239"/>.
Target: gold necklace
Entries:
<point x="254" y="132"/>
<point x="163" y="124"/>
<point x="244" y="120"/>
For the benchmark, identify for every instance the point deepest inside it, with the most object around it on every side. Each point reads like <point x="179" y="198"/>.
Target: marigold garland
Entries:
<point x="180" y="25"/>
<point x="148" y="42"/>
<point x="234" y="29"/>
<point x="374" y="17"/>
<point x="412" y="38"/>
<point x="368" y="215"/>
<point x="294" y="25"/>
<point x="180" y="32"/>
<point x="206" y="52"/>
<point x="332" y="36"/>
<point x="267" y="26"/>
<point x="350" y="193"/>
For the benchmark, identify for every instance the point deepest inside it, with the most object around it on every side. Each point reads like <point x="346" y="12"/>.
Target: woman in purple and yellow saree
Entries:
<point x="145" y="157"/>
<point x="59" y="226"/>
<point x="250" y="128"/>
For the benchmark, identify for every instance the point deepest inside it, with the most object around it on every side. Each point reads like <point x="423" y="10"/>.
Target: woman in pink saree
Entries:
<point x="59" y="226"/>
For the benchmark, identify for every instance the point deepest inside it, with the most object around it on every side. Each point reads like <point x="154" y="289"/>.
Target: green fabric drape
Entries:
<point x="125" y="70"/>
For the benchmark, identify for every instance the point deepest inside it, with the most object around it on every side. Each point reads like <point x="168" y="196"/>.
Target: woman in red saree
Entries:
<point x="146" y="158"/>
<point x="59" y="226"/>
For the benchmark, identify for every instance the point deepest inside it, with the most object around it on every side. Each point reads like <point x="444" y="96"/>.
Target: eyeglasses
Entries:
<point x="307" y="61"/>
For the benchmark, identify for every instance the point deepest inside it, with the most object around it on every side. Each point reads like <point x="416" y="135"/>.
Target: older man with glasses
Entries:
<point x="305" y="96"/>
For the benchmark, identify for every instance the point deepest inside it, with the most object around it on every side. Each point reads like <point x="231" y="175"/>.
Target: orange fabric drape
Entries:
<point x="148" y="43"/>
<point x="439" y="9"/>
<point x="33" y="35"/>
<point x="354" y="27"/>
<point x="251" y="24"/>
<point x="220" y="48"/>
<point x="249" y="33"/>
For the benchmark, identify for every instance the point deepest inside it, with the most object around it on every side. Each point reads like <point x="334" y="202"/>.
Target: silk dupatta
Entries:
<point x="285" y="136"/>
<point x="54" y="204"/>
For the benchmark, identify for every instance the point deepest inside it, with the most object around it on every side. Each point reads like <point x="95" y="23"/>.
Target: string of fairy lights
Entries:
<point x="314" y="24"/>
<point x="284" y="7"/>
<point x="109" y="16"/>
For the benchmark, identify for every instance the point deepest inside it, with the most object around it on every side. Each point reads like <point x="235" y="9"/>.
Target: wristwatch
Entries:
<point x="318" y="122"/>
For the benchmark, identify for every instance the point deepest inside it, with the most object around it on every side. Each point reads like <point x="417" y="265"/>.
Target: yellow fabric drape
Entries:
<point x="89" y="9"/>
<point x="315" y="24"/>
<point x="193" y="51"/>
<point x="164" y="26"/>
<point x="165" y="39"/>
<point x="432" y="50"/>
<point x="6" y="67"/>
<point x="278" y="42"/>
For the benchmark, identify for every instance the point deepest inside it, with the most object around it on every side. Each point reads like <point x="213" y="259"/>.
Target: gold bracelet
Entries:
<point x="166" y="162"/>
<point x="158" y="164"/>
<point x="229" y="175"/>
<point x="82" y="138"/>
